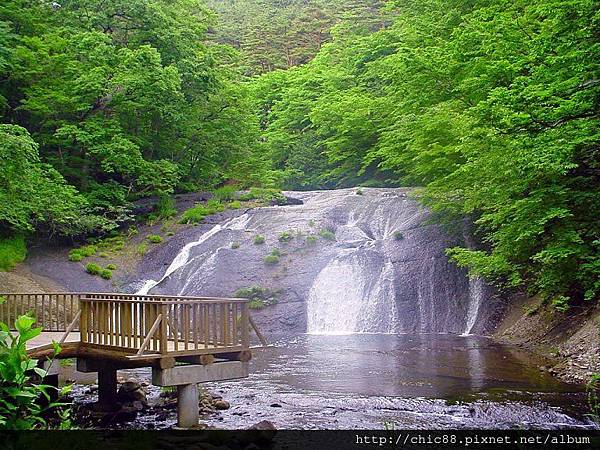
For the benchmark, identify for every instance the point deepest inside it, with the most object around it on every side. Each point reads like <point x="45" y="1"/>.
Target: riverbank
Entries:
<point x="570" y="341"/>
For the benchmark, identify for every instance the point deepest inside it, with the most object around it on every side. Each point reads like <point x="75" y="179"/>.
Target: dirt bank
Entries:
<point x="570" y="341"/>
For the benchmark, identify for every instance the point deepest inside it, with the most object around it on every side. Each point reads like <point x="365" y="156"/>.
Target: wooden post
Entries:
<point x="107" y="389"/>
<point x="245" y="319"/>
<point x="163" y="330"/>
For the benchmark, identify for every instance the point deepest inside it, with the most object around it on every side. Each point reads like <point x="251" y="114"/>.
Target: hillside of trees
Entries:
<point x="105" y="101"/>
<point x="491" y="108"/>
<point x="279" y="34"/>
<point x="488" y="107"/>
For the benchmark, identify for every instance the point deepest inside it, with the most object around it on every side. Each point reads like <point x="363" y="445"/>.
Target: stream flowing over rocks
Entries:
<point x="351" y="260"/>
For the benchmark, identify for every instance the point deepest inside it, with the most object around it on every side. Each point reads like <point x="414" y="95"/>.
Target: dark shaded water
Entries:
<point x="401" y="381"/>
<point x="438" y="366"/>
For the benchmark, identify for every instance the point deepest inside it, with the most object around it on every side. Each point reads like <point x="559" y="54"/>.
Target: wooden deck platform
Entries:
<point x="133" y="325"/>
<point x="186" y="340"/>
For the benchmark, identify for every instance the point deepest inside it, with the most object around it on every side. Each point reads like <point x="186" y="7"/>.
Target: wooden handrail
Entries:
<point x="140" y="325"/>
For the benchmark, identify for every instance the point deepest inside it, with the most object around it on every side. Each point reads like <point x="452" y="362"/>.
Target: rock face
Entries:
<point x="345" y="261"/>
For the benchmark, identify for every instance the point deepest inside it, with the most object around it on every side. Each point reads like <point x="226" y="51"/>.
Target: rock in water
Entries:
<point x="132" y="391"/>
<point x="221" y="404"/>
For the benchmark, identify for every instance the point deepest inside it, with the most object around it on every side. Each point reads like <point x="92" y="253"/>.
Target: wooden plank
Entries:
<point x="175" y="326"/>
<point x="186" y="325"/>
<point x="149" y="335"/>
<point x="261" y="338"/>
<point x="224" y="328"/>
<point x="234" y="325"/>
<point x="70" y="328"/>
<point x="83" y="326"/>
<point x="195" y="324"/>
<point x="245" y="324"/>
<point x="206" y="325"/>
<point x="163" y="330"/>
<point x="215" y="336"/>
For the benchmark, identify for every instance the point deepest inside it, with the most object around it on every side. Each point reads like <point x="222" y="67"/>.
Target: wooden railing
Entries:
<point x="53" y="311"/>
<point x="158" y="324"/>
<point x="140" y="324"/>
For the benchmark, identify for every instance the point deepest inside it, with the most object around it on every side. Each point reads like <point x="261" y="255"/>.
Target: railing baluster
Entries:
<point x="224" y="331"/>
<point x="195" y="324"/>
<point x="245" y="323"/>
<point x="234" y="308"/>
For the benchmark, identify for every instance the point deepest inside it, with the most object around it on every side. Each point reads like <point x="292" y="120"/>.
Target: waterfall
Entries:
<point x="476" y="297"/>
<point x="382" y="270"/>
<point x="183" y="257"/>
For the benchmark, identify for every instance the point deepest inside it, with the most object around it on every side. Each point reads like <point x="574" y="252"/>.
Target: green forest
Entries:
<point x="489" y="108"/>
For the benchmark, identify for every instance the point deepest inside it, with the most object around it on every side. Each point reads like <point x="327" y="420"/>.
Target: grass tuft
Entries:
<point x="155" y="239"/>
<point x="327" y="234"/>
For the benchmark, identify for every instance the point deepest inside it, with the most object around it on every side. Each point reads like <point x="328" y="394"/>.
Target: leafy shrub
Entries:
<point x="256" y="304"/>
<point x="113" y="243"/>
<point x="199" y="212"/>
<point x="560" y="303"/>
<point x="20" y="394"/>
<point x="226" y="193"/>
<point x="327" y="234"/>
<point x="359" y="191"/>
<point x="259" y="239"/>
<point x="170" y="233"/>
<point x="398" y="235"/>
<point x="234" y="205"/>
<point x="165" y="208"/>
<point x="12" y="251"/>
<point x="111" y="267"/>
<point x="132" y="231"/>
<point x="286" y="236"/>
<point x="259" y="297"/>
<point x="235" y="245"/>
<point x="106" y="274"/>
<point x="271" y="259"/>
<point x="75" y="257"/>
<point x="265" y="195"/>
<point x="77" y="254"/>
<point x="93" y="269"/>
<point x="155" y="239"/>
<point x="142" y="249"/>
<point x="103" y="255"/>
<point x="276" y="252"/>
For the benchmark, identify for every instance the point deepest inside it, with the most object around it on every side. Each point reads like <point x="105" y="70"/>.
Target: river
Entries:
<point x="376" y="381"/>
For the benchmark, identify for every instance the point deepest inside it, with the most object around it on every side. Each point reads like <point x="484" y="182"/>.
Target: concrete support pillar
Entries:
<point x="187" y="405"/>
<point x="107" y="389"/>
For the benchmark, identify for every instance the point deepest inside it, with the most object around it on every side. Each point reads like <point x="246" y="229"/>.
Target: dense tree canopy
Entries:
<point x="490" y="106"/>
<point x="279" y="34"/>
<point x="124" y="98"/>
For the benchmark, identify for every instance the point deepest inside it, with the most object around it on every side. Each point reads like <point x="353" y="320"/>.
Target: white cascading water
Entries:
<point x="476" y="297"/>
<point x="385" y="271"/>
<point x="183" y="257"/>
<point x="355" y="292"/>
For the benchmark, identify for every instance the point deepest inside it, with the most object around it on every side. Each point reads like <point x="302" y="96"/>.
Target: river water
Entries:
<point x="375" y="381"/>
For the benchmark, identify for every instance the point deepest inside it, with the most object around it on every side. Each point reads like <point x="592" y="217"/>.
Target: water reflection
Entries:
<point x="436" y="366"/>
